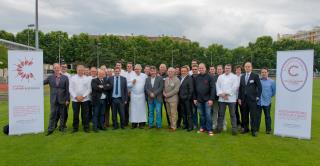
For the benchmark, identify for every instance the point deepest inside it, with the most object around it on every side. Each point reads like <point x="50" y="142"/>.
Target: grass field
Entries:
<point x="158" y="147"/>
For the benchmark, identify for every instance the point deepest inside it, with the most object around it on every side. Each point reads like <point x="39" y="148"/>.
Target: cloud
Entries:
<point x="231" y="23"/>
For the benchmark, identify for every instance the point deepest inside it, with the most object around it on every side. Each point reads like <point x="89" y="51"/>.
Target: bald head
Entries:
<point x="162" y="68"/>
<point x="202" y="68"/>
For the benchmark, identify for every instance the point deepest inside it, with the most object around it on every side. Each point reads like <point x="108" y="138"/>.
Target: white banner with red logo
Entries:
<point x="294" y="94"/>
<point x="25" y="69"/>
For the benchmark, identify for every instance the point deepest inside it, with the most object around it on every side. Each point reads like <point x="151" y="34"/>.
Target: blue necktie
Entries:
<point x="117" y="85"/>
<point x="247" y="78"/>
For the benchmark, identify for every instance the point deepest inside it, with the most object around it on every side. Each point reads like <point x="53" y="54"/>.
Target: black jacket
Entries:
<point x="253" y="88"/>
<point x="97" y="91"/>
<point x="186" y="88"/>
<point x="205" y="88"/>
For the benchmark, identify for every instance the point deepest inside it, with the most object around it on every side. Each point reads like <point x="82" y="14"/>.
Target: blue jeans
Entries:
<point x="205" y="116"/>
<point x="98" y="114"/>
<point x="155" y="104"/>
<point x="267" y="116"/>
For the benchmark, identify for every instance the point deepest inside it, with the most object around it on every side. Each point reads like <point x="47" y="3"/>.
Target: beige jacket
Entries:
<point x="171" y="88"/>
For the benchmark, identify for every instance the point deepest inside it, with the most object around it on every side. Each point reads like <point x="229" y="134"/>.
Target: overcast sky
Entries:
<point x="232" y="23"/>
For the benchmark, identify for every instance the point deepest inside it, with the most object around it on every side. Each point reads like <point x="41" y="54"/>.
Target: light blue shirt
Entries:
<point x="268" y="91"/>
<point x="114" y="85"/>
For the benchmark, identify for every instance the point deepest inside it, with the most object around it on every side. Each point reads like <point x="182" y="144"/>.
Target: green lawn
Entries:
<point x="158" y="147"/>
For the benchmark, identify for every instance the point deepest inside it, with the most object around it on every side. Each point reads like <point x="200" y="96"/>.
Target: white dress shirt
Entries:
<point x="228" y="84"/>
<point x="80" y="86"/>
<point x="152" y="81"/>
<point x="129" y="76"/>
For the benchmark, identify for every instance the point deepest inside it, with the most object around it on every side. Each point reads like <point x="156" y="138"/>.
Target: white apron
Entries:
<point x="138" y="101"/>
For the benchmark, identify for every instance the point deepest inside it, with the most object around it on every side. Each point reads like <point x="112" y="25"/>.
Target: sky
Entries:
<point x="232" y="23"/>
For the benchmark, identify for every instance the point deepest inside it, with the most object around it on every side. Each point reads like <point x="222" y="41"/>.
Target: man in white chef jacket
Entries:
<point x="138" y="116"/>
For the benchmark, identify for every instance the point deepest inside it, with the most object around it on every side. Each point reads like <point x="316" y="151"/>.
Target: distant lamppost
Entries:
<point x="98" y="60"/>
<point x="59" y="36"/>
<point x="29" y="26"/>
<point x="172" y="56"/>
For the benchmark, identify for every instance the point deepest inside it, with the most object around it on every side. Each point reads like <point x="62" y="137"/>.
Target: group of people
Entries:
<point x="192" y="97"/>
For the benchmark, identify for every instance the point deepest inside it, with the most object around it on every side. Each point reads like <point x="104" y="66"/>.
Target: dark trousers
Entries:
<point x="84" y="114"/>
<point x="238" y="111"/>
<point x="98" y="114"/>
<point x="195" y="118"/>
<point x="126" y="112"/>
<point x="180" y="116"/>
<point x="165" y="108"/>
<point x="91" y="108"/>
<point x="250" y="107"/>
<point x="56" y="108"/>
<point x="221" y="115"/>
<point x="118" y="108"/>
<point x="66" y="108"/>
<point x="267" y="116"/>
<point x="107" y="114"/>
<point x="186" y="108"/>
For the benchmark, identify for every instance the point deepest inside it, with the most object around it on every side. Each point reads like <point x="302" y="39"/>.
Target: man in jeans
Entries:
<point x="268" y="91"/>
<point x="227" y="87"/>
<point x="154" y="88"/>
<point x="204" y="95"/>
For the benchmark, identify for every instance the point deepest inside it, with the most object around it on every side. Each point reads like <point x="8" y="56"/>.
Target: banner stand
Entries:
<point x="25" y="90"/>
<point x="293" y="108"/>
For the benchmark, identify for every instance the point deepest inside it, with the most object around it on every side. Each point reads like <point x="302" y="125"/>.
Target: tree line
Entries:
<point x="107" y="49"/>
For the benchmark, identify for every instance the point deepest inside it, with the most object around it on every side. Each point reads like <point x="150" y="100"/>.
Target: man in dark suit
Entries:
<point x="59" y="97"/>
<point x="153" y="89"/>
<point x="100" y="89"/>
<point x="249" y="92"/>
<point x="119" y="97"/>
<point x="185" y="98"/>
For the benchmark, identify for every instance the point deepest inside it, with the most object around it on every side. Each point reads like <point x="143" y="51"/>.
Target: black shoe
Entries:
<point x="63" y="130"/>
<point x="95" y="130"/>
<point x="103" y="128"/>
<point x="49" y="133"/>
<point x="188" y="130"/>
<point x="244" y="131"/>
<point x="268" y="132"/>
<point x="115" y="128"/>
<point x="86" y="130"/>
<point x="234" y="132"/>
<point x="122" y="127"/>
<point x="75" y="130"/>
<point x="254" y="134"/>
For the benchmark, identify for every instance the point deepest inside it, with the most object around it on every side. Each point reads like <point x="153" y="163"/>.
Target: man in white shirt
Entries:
<point x="80" y="90"/>
<point x="129" y="75"/>
<point x="227" y="86"/>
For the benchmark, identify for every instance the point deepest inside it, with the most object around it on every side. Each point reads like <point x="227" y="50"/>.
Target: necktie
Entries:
<point x="117" y="85"/>
<point x="57" y="80"/>
<point x="247" y="78"/>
